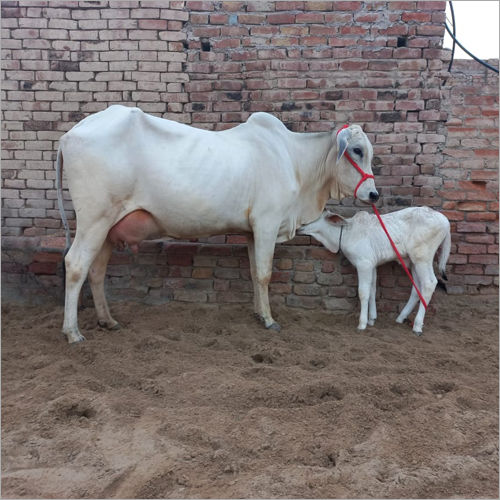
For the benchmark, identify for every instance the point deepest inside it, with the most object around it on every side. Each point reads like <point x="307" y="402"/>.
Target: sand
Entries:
<point x="200" y="401"/>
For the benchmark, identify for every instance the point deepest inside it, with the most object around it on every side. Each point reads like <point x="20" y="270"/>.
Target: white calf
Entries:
<point x="417" y="233"/>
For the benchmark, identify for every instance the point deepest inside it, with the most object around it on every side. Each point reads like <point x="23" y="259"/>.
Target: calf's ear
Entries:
<point x="343" y="138"/>
<point x="335" y="219"/>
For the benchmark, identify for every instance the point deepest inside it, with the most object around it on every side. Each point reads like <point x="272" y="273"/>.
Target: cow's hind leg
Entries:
<point x="253" y="274"/>
<point x="97" y="274"/>
<point x="264" y="241"/>
<point x="82" y="253"/>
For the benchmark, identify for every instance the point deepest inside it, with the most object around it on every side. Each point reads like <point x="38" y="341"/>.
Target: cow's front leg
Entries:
<point x="264" y="242"/>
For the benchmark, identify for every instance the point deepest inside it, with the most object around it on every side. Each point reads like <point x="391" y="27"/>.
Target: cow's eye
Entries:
<point x="358" y="152"/>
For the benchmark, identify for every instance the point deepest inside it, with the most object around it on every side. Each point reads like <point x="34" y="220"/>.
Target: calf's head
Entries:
<point x="354" y="165"/>
<point x="326" y="229"/>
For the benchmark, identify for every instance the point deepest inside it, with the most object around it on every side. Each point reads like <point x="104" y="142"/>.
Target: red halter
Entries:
<point x="364" y="175"/>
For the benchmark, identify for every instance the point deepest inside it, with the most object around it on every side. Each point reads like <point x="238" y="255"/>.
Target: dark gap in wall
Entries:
<point x="402" y="41"/>
<point x="205" y="45"/>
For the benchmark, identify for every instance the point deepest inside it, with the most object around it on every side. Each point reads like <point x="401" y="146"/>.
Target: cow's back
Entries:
<point x="194" y="181"/>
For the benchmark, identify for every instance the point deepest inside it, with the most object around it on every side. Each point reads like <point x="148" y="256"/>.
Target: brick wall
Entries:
<point x="469" y="172"/>
<point x="211" y="64"/>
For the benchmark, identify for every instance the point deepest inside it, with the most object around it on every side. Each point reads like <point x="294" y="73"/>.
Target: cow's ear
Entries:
<point x="335" y="218"/>
<point x="343" y="138"/>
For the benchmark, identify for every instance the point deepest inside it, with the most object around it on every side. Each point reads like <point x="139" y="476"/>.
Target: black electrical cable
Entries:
<point x="467" y="52"/>
<point x="454" y="35"/>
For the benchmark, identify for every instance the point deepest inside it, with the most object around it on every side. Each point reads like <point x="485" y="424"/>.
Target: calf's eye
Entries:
<point x="358" y="152"/>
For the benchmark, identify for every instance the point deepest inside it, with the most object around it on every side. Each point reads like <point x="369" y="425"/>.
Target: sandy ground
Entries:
<point x="200" y="401"/>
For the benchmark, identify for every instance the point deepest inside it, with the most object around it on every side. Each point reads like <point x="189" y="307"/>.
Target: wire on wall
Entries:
<point x="454" y="35"/>
<point x="480" y="61"/>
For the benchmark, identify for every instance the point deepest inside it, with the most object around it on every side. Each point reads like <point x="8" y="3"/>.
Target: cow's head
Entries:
<point x="354" y="165"/>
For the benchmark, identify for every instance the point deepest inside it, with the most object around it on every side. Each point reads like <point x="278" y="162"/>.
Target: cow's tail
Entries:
<point x="60" y="204"/>
<point x="443" y="257"/>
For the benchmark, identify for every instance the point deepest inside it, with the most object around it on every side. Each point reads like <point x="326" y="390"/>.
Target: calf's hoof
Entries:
<point x="361" y="327"/>
<point x="371" y="322"/>
<point x="74" y="337"/>
<point x="417" y="332"/>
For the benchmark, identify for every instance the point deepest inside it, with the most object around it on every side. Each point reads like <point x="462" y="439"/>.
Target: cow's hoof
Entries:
<point x="418" y="333"/>
<point x="371" y="322"/>
<point x="109" y="326"/>
<point x="274" y="326"/>
<point x="361" y="328"/>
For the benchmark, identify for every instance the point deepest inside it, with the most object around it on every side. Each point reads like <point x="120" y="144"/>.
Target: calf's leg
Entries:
<point x="427" y="283"/>
<point x="372" y="304"/>
<point x="412" y="301"/>
<point x="365" y="275"/>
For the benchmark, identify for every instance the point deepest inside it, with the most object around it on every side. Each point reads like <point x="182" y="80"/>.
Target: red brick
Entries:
<point x="233" y="6"/>
<point x="205" y="5"/>
<point x="486" y="152"/>
<point x="228" y="43"/>
<point x="218" y="18"/>
<point x="471" y="227"/>
<point x="480" y="238"/>
<point x="367" y="18"/>
<point x="483" y="259"/>
<point x="470" y="248"/>
<point x="421" y="17"/>
<point x="317" y="5"/>
<point x="251" y="18"/>
<point x="310" y="18"/>
<point x="43" y="267"/>
<point x="354" y="30"/>
<point x="353" y="65"/>
<point x="432" y="5"/>
<point x="152" y="24"/>
<point x="337" y="5"/>
<point x="281" y="18"/>
<point x="482" y="216"/>
<point x="236" y="239"/>
<point x="47" y="257"/>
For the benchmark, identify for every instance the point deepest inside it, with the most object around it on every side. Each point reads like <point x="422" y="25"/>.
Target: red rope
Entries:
<point x="399" y="256"/>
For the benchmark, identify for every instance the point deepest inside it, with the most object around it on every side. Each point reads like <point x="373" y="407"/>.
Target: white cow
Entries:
<point x="417" y="232"/>
<point x="133" y="176"/>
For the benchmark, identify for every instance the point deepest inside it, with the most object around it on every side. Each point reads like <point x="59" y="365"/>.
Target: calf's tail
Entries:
<point x="445" y="253"/>
<point x="59" y="169"/>
<point x="443" y="258"/>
